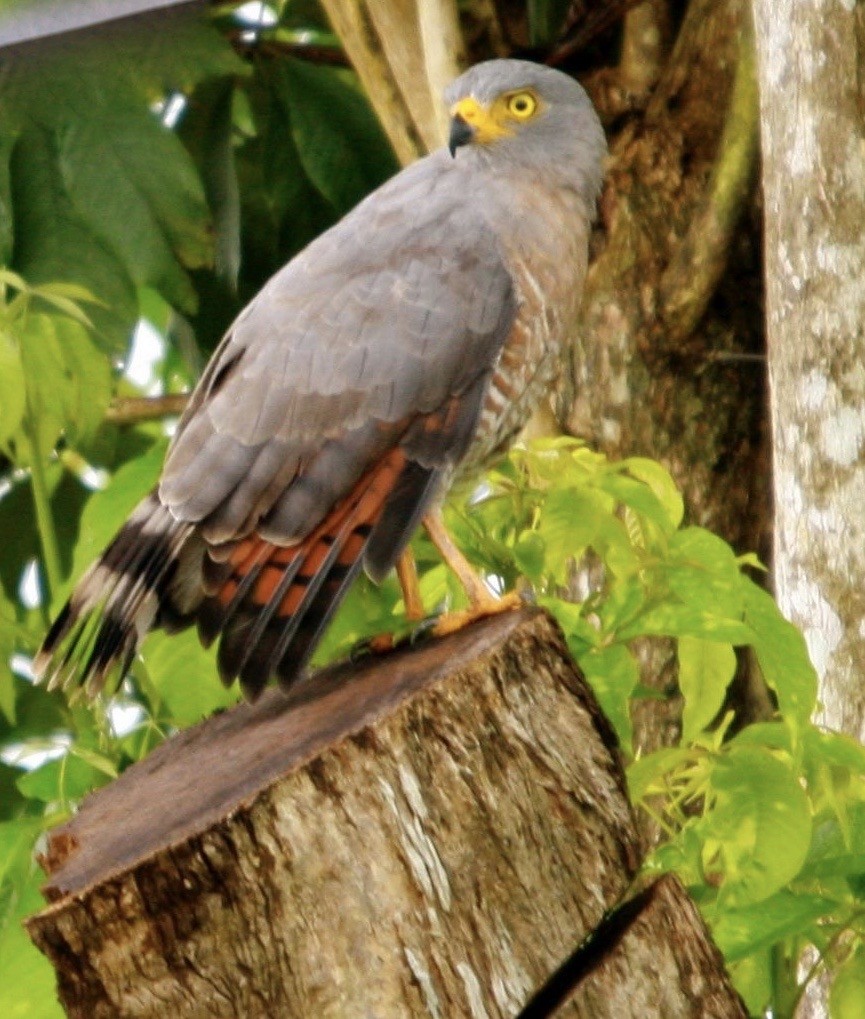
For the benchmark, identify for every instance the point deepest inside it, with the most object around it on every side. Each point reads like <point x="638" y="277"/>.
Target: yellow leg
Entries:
<point x="481" y="601"/>
<point x="406" y="571"/>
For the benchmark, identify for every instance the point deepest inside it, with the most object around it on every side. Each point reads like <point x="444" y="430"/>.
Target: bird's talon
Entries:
<point x="450" y="622"/>
<point x="423" y="629"/>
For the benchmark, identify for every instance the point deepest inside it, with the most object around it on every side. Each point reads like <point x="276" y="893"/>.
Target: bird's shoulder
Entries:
<point x="431" y="209"/>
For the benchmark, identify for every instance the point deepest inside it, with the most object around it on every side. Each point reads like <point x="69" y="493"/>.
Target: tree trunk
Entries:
<point x="428" y="833"/>
<point x="667" y="362"/>
<point x="662" y="362"/>
<point x="813" y="173"/>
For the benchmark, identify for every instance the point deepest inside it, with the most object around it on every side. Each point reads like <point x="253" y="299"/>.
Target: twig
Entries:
<point x="692" y="276"/>
<point x="591" y="25"/>
<point x="314" y="53"/>
<point x="133" y="410"/>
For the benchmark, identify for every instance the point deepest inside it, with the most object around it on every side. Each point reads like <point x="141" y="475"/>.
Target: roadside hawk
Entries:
<point x="405" y="346"/>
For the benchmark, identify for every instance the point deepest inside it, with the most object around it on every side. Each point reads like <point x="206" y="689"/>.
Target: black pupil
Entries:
<point x="521" y="105"/>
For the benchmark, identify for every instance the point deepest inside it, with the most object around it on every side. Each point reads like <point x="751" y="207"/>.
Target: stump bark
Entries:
<point x="428" y="833"/>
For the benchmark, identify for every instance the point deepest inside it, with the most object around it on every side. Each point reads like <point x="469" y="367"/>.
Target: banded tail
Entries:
<point x="270" y="603"/>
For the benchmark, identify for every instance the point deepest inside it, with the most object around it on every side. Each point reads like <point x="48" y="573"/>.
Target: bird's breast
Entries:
<point x="545" y="250"/>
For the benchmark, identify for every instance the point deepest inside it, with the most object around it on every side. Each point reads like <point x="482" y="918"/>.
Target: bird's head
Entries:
<point x="518" y="112"/>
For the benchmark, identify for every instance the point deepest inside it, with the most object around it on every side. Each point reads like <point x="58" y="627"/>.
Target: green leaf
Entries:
<point x="757" y="829"/>
<point x="68" y="381"/>
<point x="27" y="990"/>
<point x="613" y="673"/>
<point x="771" y="735"/>
<point x="129" y="177"/>
<point x="646" y="772"/>
<point x="781" y="653"/>
<point x="17" y="517"/>
<point x="184" y="50"/>
<point x="185" y="676"/>
<point x="579" y="632"/>
<point x="282" y="210"/>
<point x="743" y="931"/>
<point x="668" y="619"/>
<point x="39" y="714"/>
<point x="207" y="131"/>
<point x="838" y="850"/>
<point x="47" y="385"/>
<point x="847" y="992"/>
<point x="835" y="749"/>
<point x="55" y="242"/>
<point x="89" y="387"/>
<point x="681" y="854"/>
<point x="367" y="610"/>
<point x="64" y="779"/>
<point x="341" y="144"/>
<point x="703" y="572"/>
<point x="658" y="478"/>
<point x="572" y="519"/>
<point x="16" y="845"/>
<point x="12" y="804"/>
<point x="705" y="670"/>
<point x="529" y="554"/>
<point x="13" y="398"/>
<point x="639" y="497"/>
<point x="435" y="586"/>
<point x="753" y="979"/>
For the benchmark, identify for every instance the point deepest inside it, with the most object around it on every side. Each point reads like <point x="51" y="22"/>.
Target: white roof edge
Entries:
<point x="37" y="19"/>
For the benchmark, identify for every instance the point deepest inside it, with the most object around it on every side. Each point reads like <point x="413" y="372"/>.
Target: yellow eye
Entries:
<point x="522" y="105"/>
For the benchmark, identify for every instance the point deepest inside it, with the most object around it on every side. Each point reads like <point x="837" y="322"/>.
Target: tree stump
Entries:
<point x="427" y="833"/>
<point x="652" y="957"/>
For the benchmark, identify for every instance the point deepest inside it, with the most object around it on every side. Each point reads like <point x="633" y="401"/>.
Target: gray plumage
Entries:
<point x="408" y="343"/>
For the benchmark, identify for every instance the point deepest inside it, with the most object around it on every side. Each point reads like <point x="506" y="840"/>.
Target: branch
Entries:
<point x="443" y="52"/>
<point x="402" y="51"/>
<point x="693" y="274"/>
<point x="645" y="45"/>
<point x="133" y="410"/>
<point x="589" y="24"/>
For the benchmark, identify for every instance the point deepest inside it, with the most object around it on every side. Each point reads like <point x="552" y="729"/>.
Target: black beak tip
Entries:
<point x="461" y="133"/>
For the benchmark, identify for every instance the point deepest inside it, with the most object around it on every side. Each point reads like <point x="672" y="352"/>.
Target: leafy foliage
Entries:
<point x="112" y="214"/>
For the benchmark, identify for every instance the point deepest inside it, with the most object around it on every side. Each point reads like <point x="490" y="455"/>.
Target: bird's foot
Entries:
<point x="381" y="643"/>
<point x="378" y="644"/>
<point x="435" y="626"/>
<point x="450" y="622"/>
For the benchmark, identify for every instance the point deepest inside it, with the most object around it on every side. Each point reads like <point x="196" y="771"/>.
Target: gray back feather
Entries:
<point x="402" y="304"/>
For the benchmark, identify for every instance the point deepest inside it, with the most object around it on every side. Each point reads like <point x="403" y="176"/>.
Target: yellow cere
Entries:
<point x="499" y="119"/>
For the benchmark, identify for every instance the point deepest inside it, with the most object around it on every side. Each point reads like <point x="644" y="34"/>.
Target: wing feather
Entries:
<point x="403" y="305"/>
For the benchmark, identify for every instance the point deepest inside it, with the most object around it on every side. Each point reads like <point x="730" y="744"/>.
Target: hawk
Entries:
<point x="405" y="347"/>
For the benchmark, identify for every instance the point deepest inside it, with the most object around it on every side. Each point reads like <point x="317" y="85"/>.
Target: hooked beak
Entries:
<point x="461" y="133"/>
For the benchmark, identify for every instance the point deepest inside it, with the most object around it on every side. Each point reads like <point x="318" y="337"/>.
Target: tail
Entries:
<point x="270" y="603"/>
<point x="150" y="575"/>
